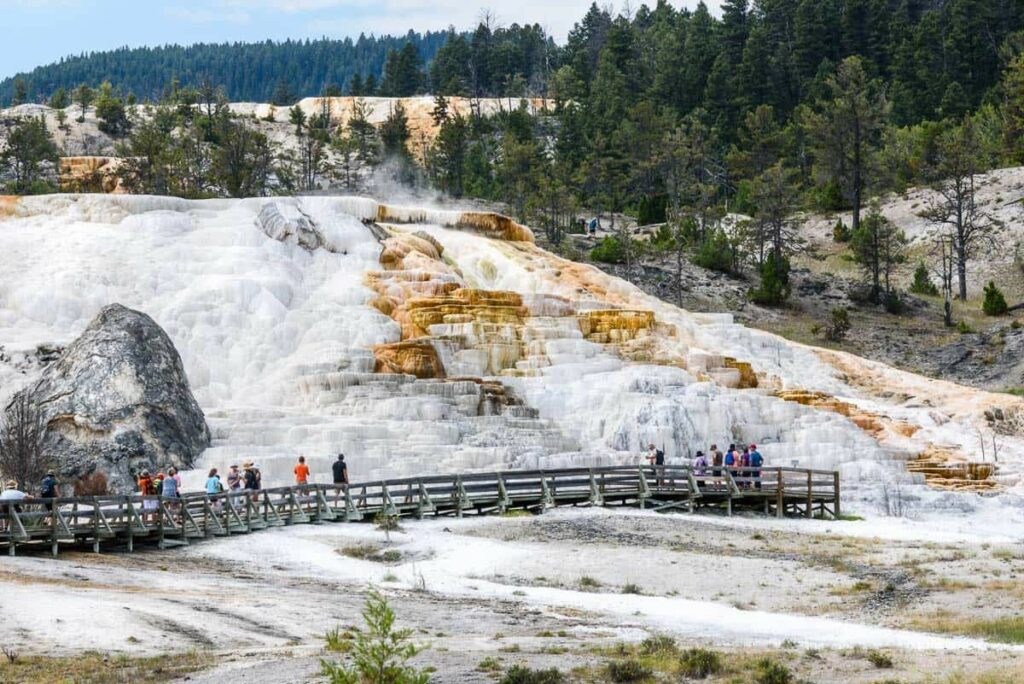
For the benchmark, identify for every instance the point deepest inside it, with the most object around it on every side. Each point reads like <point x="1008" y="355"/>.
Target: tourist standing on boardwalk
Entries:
<point x="235" y="482"/>
<point x="301" y="471"/>
<point x="10" y="494"/>
<point x="147" y="488"/>
<point x="49" y="488"/>
<point x="756" y="461"/>
<point x="340" y="471"/>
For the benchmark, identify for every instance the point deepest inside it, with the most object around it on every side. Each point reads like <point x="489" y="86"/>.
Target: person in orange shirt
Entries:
<point x="301" y="471"/>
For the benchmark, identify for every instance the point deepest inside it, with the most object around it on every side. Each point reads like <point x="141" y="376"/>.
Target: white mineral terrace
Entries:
<point x="277" y="332"/>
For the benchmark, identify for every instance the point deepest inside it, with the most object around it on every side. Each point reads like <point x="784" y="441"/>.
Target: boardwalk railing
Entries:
<point x="120" y="520"/>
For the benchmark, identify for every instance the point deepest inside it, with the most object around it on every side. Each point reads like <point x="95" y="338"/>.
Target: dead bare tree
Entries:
<point x="21" y="442"/>
<point x="955" y="209"/>
<point x="946" y="264"/>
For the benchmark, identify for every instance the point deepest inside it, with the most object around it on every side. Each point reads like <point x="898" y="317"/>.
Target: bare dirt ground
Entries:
<point x="547" y="591"/>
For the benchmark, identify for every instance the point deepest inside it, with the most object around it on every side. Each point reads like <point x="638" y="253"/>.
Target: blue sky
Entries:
<point x="38" y="32"/>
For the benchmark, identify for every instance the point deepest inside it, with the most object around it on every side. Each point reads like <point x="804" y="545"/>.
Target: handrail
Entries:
<point x="509" y="478"/>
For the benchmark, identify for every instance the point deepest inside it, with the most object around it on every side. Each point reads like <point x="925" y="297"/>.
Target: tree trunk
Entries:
<point x="961" y="272"/>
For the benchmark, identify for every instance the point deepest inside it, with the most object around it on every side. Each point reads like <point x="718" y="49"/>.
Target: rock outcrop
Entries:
<point x="118" y="401"/>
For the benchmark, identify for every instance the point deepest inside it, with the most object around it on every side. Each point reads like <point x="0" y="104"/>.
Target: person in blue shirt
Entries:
<point x="756" y="461"/>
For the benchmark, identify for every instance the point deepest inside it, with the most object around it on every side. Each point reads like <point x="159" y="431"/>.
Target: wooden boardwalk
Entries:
<point x="121" y="522"/>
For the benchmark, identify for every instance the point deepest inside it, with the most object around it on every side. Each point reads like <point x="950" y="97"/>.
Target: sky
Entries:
<point x="38" y="32"/>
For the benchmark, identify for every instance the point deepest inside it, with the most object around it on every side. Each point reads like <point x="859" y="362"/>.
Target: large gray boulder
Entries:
<point x="117" y="402"/>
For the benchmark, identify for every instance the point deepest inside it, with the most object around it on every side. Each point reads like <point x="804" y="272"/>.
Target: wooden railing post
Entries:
<point x="53" y="527"/>
<point x="810" y="494"/>
<point x="835" y="492"/>
<point x="95" y="524"/>
<point x="780" y="496"/>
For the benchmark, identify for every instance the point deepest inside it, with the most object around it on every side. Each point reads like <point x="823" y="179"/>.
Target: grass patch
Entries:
<point x="588" y="583"/>
<point x="630" y="588"/>
<point x="338" y="640"/>
<point x="628" y="671"/>
<point x="699" y="663"/>
<point x="1007" y="630"/>
<point x="858" y="587"/>
<point x="518" y="674"/>
<point x="880" y="659"/>
<point x="489" y="664"/>
<point x="517" y="513"/>
<point x="102" y="668"/>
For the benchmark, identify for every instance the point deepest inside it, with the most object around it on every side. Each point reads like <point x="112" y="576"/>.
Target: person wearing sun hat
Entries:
<point x="10" y="493"/>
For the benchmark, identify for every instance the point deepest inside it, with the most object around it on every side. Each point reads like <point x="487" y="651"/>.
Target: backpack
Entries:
<point x="659" y="457"/>
<point x="49" y="488"/>
<point x="158" y="487"/>
<point x="756" y="459"/>
<point x="220" y="486"/>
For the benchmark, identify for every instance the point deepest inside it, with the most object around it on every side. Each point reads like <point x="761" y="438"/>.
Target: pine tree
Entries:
<point x="878" y="247"/>
<point x="59" y="99"/>
<point x="20" y="92"/>
<point x="83" y="97"/>
<point x="847" y="130"/>
<point x="994" y="303"/>
<point x="28" y="147"/>
<point x="922" y="283"/>
<point x="394" y="132"/>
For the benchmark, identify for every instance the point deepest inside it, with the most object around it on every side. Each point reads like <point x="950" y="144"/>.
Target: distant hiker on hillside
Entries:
<point x="340" y="471"/>
<point x="592" y="228"/>
<point x="756" y="461"/>
<point x="49" y="488"/>
<point x="301" y="472"/>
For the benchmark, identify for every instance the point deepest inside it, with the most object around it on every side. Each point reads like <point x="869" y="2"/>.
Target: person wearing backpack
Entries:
<point x="49" y="489"/>
<point x="756" y="462"/>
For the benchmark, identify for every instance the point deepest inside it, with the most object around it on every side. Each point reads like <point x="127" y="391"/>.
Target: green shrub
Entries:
<point x="518" y="674"/>
<point x="922" y="283"/>
<point x="657" y="645"/>
<point x="841" y="232"/>
<point x="894" y="303"/>
<point x="715" y="253"/>
<point x="883" y="661"/>
<point x="699" y="663"/>
<point x="489" y="664"/>
<point x="995" y="302"/>
<point x="609" y="251"/>
<point x="588" y="582"/>
<point x="627" y="671"/>
<point x="963" y="328"/>
<point x="838" y="325"/>
<point x="774" y="288"/>
<point x="769" y="671"/>
<point x="631" y="588"/>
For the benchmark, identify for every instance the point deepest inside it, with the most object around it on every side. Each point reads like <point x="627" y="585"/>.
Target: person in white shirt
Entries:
<point x="10" y="493"/>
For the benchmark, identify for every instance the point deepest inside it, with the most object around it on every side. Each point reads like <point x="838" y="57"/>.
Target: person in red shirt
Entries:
<point x="301" y="471"/>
